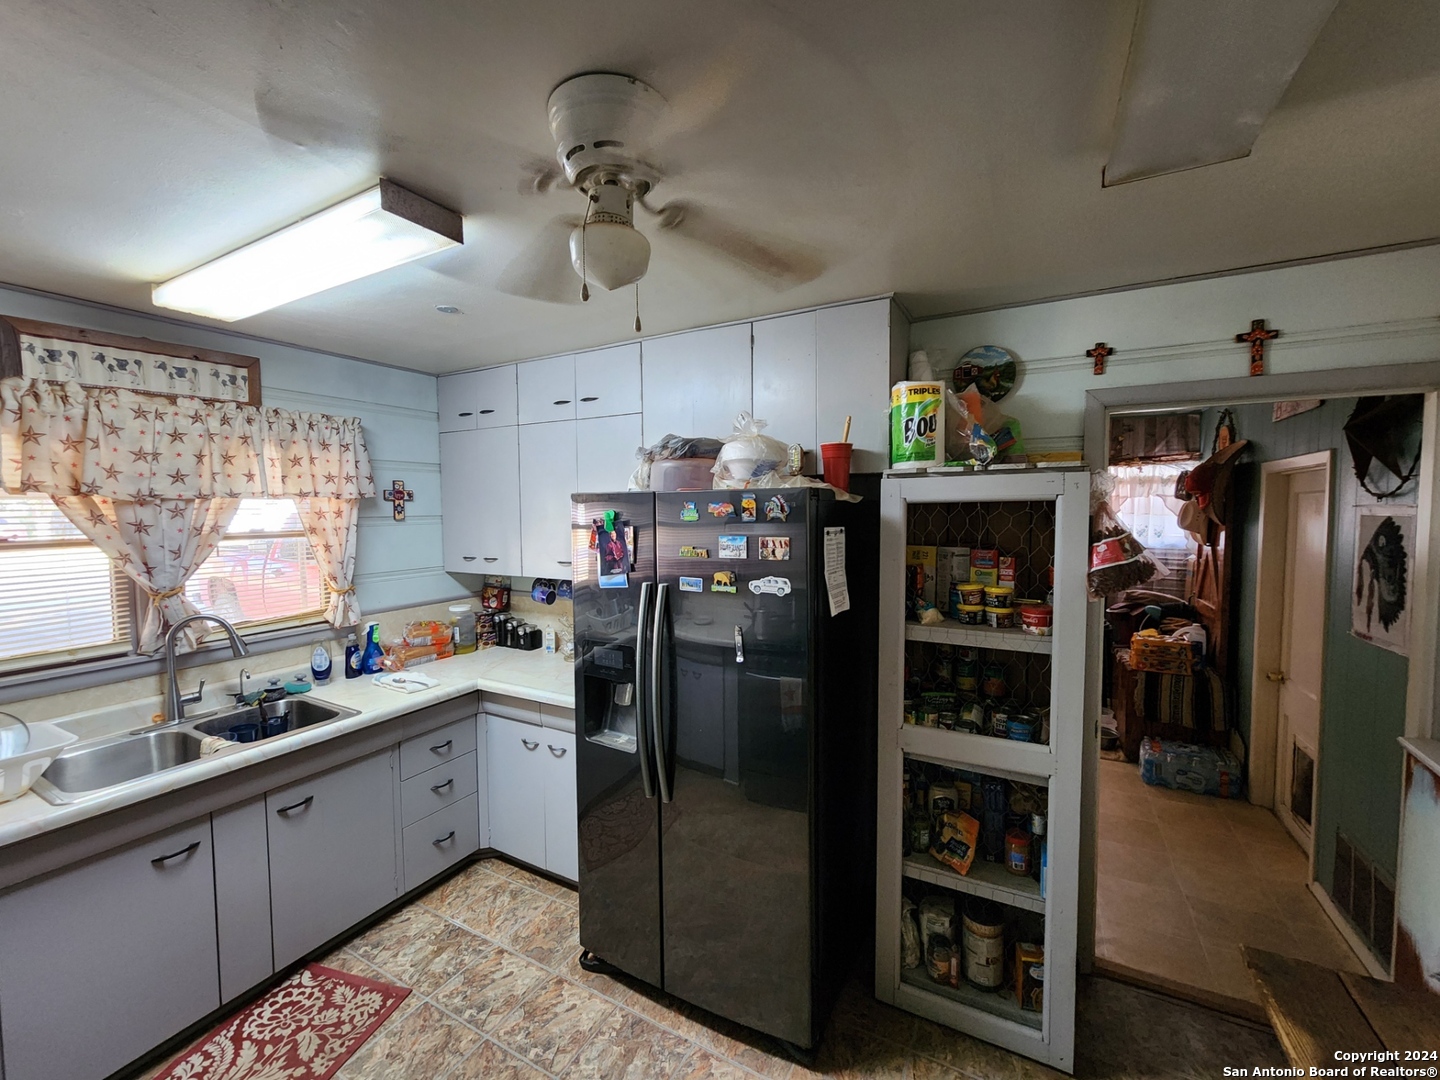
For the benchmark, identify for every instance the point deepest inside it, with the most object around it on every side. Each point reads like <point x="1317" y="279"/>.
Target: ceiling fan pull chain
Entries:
<point x="637" y="307"/>
<point x="584" y="281"/>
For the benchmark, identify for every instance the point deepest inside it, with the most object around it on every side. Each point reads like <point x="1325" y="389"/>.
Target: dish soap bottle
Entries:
<point x="320" y="664"/>
<point x="352" y="657"/>
<point x="373" y="654"/>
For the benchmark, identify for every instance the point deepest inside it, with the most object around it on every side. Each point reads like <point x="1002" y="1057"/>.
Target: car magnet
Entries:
<point x="722" y="509"/>
<point x="747" y="508"/>
<point x="692" y="584"/>
<point x="688" y="512"/>
<point x="724" y="581"/>
<point x="774" y="549"/>
<point x="691" y="552"/>
<point x="776" y="586"/>
<point x="734" y="547"/>
<point x="776" y="508"/>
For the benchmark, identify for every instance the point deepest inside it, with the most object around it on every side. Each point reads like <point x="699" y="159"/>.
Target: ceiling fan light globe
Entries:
<point x="614" y="255"/>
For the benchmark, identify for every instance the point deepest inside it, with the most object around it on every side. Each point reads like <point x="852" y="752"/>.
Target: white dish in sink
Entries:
<point x="21" y="770"/>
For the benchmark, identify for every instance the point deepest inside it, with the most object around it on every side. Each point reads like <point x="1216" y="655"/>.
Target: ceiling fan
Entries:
<point x="608" y="129"/>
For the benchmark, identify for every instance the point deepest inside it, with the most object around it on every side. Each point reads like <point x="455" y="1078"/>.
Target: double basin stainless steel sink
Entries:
<point x="111" y="764"/>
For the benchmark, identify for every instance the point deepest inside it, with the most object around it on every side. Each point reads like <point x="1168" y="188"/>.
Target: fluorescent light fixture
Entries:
<point x="1202" y="77"/>
<point x="373" y="231"/>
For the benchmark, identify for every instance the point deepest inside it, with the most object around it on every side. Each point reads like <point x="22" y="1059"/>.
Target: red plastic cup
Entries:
<point x="835" y="458"/>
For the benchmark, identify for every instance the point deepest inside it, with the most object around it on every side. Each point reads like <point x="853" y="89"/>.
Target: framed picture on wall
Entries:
<point x="1384" y="555"/>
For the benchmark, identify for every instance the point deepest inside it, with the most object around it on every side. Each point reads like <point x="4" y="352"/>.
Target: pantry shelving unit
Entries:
<point x="1042" y="516"/>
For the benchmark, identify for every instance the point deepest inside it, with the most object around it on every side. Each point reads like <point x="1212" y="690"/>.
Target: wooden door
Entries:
<point x="1210" y="596"/>
<point x="332" y="853"/>
<point x="1302" y="653"/>
<point x="517" y="788"/>
<point x="102" y="962"/>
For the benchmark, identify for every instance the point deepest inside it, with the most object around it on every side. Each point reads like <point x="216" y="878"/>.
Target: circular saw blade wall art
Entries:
<point x="1379" y="605"/>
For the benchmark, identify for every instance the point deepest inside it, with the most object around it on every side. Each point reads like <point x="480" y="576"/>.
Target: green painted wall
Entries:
<point x="1364" y="688"/>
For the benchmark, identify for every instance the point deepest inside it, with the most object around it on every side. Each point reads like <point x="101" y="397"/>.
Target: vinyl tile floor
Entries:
<point x="1185" y="880"/>
<point x="490" y="956"/>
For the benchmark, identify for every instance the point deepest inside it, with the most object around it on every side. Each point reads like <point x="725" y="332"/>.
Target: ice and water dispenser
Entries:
<point x="611" y="696"/>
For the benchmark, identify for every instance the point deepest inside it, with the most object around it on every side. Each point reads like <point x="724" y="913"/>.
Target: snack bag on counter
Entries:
<point x="400" y="657"/>
<point x="954" y="843"/>
<point x="426" y="632"/>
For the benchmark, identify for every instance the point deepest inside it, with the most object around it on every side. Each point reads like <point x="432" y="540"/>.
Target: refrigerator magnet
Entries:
<point x="776" y="508"/>
<point x="689" y="551"/>
<point x="747" y="508"/>
<point x="722" y="509"/>
<point x="775" y="586"/>
<point x="774" y="549"/>
<point x="612" y="555"/>
<point x="734" y="547"/>
<point x="692" y="584"/>
<point x="688" y="512"/>
<point x="723" y="581"/>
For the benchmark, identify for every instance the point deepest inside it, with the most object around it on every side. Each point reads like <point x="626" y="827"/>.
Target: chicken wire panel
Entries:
<point x="935" y="667"/>
<point x="1025" y="529"/>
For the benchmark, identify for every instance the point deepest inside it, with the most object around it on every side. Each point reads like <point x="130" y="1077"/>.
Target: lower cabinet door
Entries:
<point x="562" y="848"/>
<point x="516" y="759"/>
<point x="104" y="961"/>
<point x="332" y="853"/>
<point x="439" y="841"/>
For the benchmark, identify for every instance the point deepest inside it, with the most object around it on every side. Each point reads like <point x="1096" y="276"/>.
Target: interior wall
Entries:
<point x="1364" y="687"/>
<point x="397" y="564"/>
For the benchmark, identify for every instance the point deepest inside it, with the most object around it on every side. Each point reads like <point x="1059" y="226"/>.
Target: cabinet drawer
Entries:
<point x="434" y="789"/>
<point x="437" y="747"/>
<point x="441" y="840"/>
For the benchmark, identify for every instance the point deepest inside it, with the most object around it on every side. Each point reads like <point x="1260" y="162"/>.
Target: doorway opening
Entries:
<point x="1212" y="693"/>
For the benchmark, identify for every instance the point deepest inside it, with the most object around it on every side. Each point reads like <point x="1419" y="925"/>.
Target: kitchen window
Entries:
<point x="61" y="598"/>
<point x="263" y="572"/>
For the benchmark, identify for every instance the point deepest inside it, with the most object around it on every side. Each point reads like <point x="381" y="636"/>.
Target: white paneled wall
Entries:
<point x="398" y="563"/>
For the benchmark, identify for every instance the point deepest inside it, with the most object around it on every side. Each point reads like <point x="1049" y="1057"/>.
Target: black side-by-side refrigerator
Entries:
<point x="725" y="724"/>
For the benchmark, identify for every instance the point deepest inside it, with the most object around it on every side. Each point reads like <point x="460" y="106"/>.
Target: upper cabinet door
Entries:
<point x="547" y="389"/>
<point x="605" y="452"/>
<point x="861" y="352"/>
<point x="607" y="381"/>
<point x="477" y="399"/>
<point x="785" y="383"/>
<point x="480" y="501"/>
<point x="696" y="383"/>
<point x="547" y="480"/>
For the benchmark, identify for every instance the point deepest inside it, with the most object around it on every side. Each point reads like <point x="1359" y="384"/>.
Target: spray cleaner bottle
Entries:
<point x="373" y="654"/>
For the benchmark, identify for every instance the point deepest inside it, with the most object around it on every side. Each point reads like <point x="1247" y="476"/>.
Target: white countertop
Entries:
<point x="533" y="676"/>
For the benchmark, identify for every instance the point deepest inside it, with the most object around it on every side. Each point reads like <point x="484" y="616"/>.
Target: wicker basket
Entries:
<point x="1161" y="655"/>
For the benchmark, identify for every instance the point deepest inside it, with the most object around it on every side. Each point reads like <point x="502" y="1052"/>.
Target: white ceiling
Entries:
<point x="949" y="152"/>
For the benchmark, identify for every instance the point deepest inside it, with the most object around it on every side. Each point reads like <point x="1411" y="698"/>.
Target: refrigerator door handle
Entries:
<point x="642" y="677"/>
<point x="658" y="669"/>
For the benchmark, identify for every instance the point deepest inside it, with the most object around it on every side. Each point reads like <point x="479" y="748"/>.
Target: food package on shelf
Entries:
<point x="1205" y="770"/>
<point x="1030" y="976"/>
<point x="909" y="935"/>
<point x="953" y="843"/>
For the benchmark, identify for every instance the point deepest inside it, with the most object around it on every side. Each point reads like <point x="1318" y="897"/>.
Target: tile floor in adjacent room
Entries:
<point x="490" y="958"/>
<point x="1185" y="880"/>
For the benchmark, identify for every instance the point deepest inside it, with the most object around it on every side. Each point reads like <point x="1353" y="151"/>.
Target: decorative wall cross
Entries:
<point x="1100" y="353"/>
<point x="1256" y="336"/>
<point x="397" y="496"/>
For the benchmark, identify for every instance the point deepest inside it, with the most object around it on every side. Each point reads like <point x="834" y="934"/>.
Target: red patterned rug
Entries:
<point x="304" y="1029"/>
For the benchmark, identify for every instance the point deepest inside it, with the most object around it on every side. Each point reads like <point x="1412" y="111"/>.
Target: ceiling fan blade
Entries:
<point x="779" y="263"/>
<point x="696" y="104"/>
<point x="538" y="176"/>
<point x="542" y="270"/>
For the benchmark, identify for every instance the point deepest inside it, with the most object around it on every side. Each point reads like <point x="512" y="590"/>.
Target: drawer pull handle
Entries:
<point x="529" y="745"/>
<point x="188" y="849"/>
<point x="437" y="788"/>
<point x="492" y="558"/>
<point x="486" y="412"/>
<point x="589" y="399"/>
<point x="561" y="401"/>
<point x="563" y="562"/>
<point x="558" y="751"/>
<point x="468" y="558"/>
<point x="465" y="414"/>
<point x="443" y="748"/>
<point x="444" y="839"/>
<point x="303" y="804"/>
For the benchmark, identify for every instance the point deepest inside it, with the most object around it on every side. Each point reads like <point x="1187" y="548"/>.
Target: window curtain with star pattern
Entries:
<point x="155" y="481"/>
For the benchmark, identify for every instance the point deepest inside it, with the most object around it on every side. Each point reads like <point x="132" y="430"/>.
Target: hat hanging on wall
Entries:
<point x="1382" y="429"/>
<point x="1208" y="487"/>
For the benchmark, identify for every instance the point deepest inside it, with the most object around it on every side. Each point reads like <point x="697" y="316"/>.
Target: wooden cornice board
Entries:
<point x="1310" y="1009"/>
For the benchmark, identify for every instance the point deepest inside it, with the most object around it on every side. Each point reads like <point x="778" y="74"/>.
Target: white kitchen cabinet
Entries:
<point x="696" y="383"/>
<point x="332" y="853"/>
<point x="607" y="381"/>
<point x="547" y="480"/>
<point x="784" y="379"/>
<point x="860" y="353"/>
<point x="477" y="399"/>
<point x="105" y="960"/>
<point x="605" y="452"/>
<point x="562" y="846"/>
<point x="480" y="500"/>
<point x="242" y="896"/>
<point x="517" y="767"/>
<point x="547" y="389"/>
